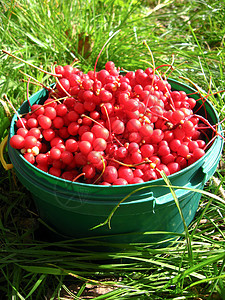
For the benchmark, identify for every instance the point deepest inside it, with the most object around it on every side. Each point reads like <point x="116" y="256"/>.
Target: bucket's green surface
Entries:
<point x="72" y="208"/>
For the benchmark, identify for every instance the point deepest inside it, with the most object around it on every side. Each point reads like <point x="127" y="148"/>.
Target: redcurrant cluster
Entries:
<point x="111" y="129"/>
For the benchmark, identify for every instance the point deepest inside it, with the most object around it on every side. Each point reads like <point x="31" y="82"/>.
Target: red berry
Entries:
<point x="30" y="142"/>
<point x="17" y="141"/>
<point x="45" y="122"/>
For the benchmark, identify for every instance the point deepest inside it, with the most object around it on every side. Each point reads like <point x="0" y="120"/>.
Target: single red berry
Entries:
<point x="17" y="141"/>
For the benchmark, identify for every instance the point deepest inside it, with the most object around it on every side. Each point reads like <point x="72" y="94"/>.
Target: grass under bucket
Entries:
<point x="73" y="209"/>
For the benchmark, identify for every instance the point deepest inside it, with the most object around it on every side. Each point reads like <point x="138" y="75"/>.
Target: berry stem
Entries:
<point x="37" y="82"/>
<point x="129" y="165"/>
<point x="205" y="121"/>
<point x="85" y="116"/>
<point x="107" y="115"/>
<point x="29" y="64"/>
<point x="118" y="141"/>
<point x="14" y="110"/>
<point x="63" y="88"/>
<point x="103" y="170"/>
<point x="78" y="176"/>
<point x="103" y="49"/>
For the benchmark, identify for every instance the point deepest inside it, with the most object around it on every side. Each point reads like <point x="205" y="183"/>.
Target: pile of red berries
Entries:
<point x="110" y="129"/>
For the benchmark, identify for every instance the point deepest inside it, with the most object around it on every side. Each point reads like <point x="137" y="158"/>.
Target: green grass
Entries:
<point x="34" y="266"/>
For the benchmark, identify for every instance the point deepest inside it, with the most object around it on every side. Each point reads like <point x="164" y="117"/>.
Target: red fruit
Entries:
<point x="55" y="141"/>
<point x="118" y="127"/>
<point x="22" y="122"/>
<point x="149" y="175"/>
<point x="55" y="172"/>
<point x="45" y="122"/>
<point x="73" y="128"/>
<point x="126" y="173"/>
<point x="34" y="132"/>
<point x="173" y="167"/>
<point x="198" y="153"/>
<point x="17" y="141"/>
<point x="94" y="157"/>
<point x="32" y="122"/>
<point x="100" y="132"/>
<point x="63" y="84"/>
<point x="29" y="142"/>
<point x="137" y="180"/>
<point x="88" y="136"/>
<point x="67" y="71"/>
<point x="183" y="150"/>
<point x="61" y="110"/>
<point x="50" y="112"/>
<point x="43" y="168"/>
<point x="42" y="159"/>
<point x="162" y="167"/>
<point x="55" y="153"/>
<point x="147" y="150"/>
<point x="99" y="144"/>
<point x="22" y="131"/>
<point x="29" y="157"/>
<point x="110" y="174"/>
<point x="133" y="125"/>
<point x="59" y="70"/>
<point x="105" y="96"/>
<point x="39" y="109"/>
<point x="120" y="181"/>
<point x="71" y="145"/>
<point x="67" y="157"/>
<point x="48" y="134"/>
<point x="85" y="147"/>
<point x="89" y="171"/>
<point x="58" y="122"/>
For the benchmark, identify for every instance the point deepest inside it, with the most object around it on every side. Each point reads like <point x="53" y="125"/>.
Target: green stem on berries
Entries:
<point x="103" y="170"/>
<point x="14" y="110"/>
<point x="31" y="65"/>
<point x="107" y="115"/>
<point x="129" y="165"/>
<point x="103" y="49"/>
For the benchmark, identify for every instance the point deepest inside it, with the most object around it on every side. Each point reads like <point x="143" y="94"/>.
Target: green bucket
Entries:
<point x="73" y="209"/>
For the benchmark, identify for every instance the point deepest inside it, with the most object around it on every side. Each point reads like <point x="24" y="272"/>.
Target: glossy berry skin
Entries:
<point x="108" y="128"/>
<point x="17" y="142"/>
<point x="110" y="174"/>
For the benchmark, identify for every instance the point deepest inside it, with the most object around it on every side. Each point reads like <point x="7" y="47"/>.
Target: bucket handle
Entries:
<point x="2" y="147"/>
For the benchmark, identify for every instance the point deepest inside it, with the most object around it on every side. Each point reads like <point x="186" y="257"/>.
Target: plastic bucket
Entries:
<point x="72" y="208"/>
